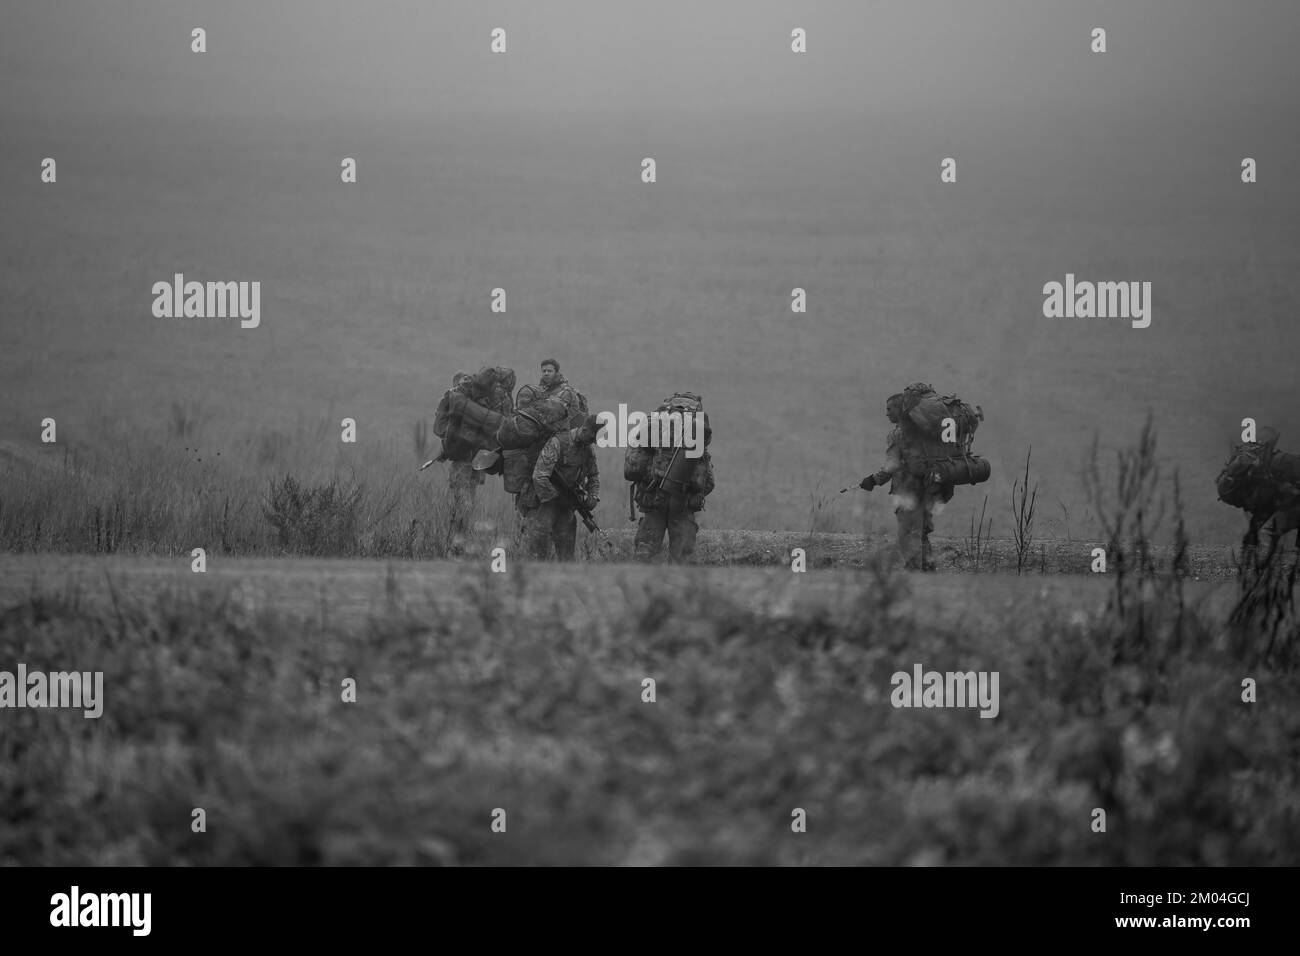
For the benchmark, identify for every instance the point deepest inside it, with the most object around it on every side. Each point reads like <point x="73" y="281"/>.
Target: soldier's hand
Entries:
<point x="867" y="483"/>
<point x="592" y="501"/>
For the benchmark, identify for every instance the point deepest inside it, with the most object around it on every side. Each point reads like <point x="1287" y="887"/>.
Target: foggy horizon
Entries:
<point x="394" y="60"/>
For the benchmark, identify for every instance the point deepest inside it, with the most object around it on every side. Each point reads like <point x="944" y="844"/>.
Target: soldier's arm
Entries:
<point x="701" y="483"/>
<point x="593" y="479"/>
<point x="702" y="478"/>
<point x="442" y="415"/>
<point x="546" y="462"/>
<point x="893" y="458"/>
<point x="893" y="464"/>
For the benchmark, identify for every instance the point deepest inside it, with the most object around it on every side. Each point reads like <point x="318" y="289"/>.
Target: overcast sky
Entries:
<point x="309" y="57"/>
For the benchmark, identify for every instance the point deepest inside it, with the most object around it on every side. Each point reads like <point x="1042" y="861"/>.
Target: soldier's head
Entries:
<point x="894" y="407"/>
<point x="460" y="378"/>
<point x="585" y="434"/>
<point x="550" y="371"/>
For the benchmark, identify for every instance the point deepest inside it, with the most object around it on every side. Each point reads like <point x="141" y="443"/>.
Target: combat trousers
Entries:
<point x="463" y="481"/>
<point x="915" y="525"/>
<point x="673" y="517"/>
<point x="556" y="522"/>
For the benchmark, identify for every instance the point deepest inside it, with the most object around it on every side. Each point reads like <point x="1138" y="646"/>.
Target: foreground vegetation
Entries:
<point x="500" y="693"/>
<point x="504" y="694"/>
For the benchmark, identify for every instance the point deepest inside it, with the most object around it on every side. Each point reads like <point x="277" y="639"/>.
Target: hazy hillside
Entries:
<point x="373" y="294"/>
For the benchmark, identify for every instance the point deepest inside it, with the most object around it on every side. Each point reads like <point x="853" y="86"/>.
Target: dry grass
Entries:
<point x="272" y="493"/>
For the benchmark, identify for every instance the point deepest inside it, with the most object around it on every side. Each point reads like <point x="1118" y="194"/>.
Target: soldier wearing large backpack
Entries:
<point x="558" y="406"/>
<point x="465" y="420"/>
<point x="566" y="466"/>
<point x="669" y="488"/>
<point x="927" y="456"/>
<point x="1264" y="483"/>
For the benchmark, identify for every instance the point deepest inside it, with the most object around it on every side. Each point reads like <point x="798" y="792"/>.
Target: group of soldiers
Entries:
<point x="565" y="481"/>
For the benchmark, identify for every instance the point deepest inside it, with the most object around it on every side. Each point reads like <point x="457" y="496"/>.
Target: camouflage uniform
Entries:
<point x="554" y="518"/>
<point x="1265" y="483"/>
<point x="916" y="495"/>
<point x="559" y="389"/>
<point x="527" y="502"/>
<point x="462" y="479"/>
<point x="663" y="510"/>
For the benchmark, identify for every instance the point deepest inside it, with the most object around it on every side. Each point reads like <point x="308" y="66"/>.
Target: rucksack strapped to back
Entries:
<point x="655" y="473"/>
<point x="688" y="403"/>
<point x="926" y="411"/>
<point x="925" y="453"/>
<point x="538" y="422"/>
<point x="1256" y="472"/>
<point x="964" y="469"/>
<point x="471" y="412"/>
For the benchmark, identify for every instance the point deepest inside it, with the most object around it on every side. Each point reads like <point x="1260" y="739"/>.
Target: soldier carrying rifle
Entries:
<point x="565" y="479"/>
<point x="669" y="485"/>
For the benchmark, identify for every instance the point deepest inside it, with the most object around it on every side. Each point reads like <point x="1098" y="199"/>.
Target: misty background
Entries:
<point x="775" y="170"/>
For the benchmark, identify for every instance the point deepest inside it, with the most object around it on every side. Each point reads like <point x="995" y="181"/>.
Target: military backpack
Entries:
<point x="926" y="411"/>
<point x="925" y="452"/>
<point x="1258" y="477"/>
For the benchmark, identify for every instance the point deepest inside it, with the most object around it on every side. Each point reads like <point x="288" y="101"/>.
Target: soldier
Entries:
<point x="462" y="479"/>
<point x="466" y="421"/>
<point x="553" y="385"/>
<point x="551" y="512"/>
<point x="1265" y="483"/>
<point x="917" y="495"/>
<point x="670" y="488"/>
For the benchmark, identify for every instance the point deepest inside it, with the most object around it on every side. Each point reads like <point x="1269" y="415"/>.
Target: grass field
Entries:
<point x="373" y="295"/>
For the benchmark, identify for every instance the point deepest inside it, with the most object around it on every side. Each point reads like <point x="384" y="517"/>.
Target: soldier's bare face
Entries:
<point x="548" y="374"/>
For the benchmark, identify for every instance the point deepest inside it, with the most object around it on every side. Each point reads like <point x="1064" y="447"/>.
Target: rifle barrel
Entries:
<point x="568" y="491"/>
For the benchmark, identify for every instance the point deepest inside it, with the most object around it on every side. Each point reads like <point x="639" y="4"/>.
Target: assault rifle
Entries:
<point x="579" y="501"/>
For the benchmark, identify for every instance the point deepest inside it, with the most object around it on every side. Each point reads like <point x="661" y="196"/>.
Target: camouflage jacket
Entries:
<point x="893" y="467"/>
<point x="646" y="466"/>
<point x="901" y="449"/>
<point x="560" y="389"/>
<point x="576" y="463"/>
